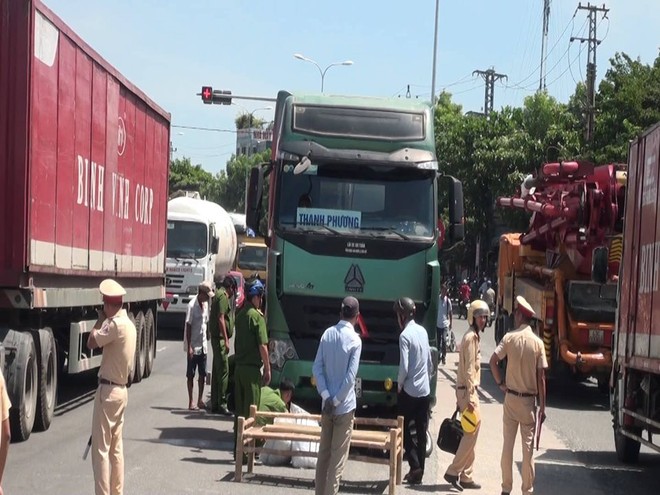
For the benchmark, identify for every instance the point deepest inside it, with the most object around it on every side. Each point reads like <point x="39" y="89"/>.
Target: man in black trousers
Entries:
<point x="415" y="370"/>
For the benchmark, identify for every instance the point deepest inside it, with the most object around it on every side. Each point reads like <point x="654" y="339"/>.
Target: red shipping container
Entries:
<point x="83" y="164"/>
<point x="638" y="338"/>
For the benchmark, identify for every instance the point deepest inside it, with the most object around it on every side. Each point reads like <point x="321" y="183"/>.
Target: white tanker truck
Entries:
<point x="201" y="241"/>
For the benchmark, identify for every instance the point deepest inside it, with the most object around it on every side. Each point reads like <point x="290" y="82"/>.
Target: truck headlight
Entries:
<point x="279" y="352"/>
<point x="388" y="384"/>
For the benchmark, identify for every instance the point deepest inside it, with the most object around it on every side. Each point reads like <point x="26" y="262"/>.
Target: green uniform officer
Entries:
<point x="251" y="352"/>
<point x="273" y="400"/>
<point x="221" y="327"/>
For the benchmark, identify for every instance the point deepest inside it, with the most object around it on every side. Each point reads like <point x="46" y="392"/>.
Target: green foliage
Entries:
<point x="628" y="102"/>
<point x="188" y="177"/>
<point x="491" y="156"/>
<point x="231" y="182"/>
<point x="248" y="121"/>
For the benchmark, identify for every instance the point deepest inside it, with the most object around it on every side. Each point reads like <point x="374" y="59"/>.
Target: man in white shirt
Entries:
<point x="444" y="322"/>
<point x="197" y="318"/>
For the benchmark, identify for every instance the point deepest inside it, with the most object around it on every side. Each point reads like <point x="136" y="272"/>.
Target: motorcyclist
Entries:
<point x="464" y="293"/>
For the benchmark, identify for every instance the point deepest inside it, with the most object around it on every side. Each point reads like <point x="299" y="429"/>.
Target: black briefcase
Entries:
<point x="450" y="434"/>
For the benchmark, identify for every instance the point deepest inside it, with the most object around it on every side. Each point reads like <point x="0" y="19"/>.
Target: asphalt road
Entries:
<point x="169" y="449"/>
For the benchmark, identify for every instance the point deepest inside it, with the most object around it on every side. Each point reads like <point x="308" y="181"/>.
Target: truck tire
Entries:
<point x="150" y="328"/>
<point x="47" y="383"/>
<point x="627" y="449"/>
<point x="22" y="387"/>
<point x="140" y="354"/>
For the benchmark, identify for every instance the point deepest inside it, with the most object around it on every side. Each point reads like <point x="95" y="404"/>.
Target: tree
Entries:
<point x="247" y="120"/>
<point x="188" y="177"/>
<point x="229" y="191"/>
<point x="628" y="102"/>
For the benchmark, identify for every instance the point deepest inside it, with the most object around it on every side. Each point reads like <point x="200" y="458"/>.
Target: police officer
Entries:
<point x="221" y="327"/>
<point x="251" y="352"/>
<point x="116" y="334"/>
<point x="468" y="379"/>
<point x="523" y="387"/>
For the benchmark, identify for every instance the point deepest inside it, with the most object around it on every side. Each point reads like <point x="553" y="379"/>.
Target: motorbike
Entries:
<point x="463" y="309"/>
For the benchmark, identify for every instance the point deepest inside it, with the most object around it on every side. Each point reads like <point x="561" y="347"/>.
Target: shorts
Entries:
<point x="199" y="361"/>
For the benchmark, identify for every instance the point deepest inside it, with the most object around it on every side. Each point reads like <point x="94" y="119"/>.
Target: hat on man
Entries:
<point x="525" y="307"/>
<point x="110" y="288"/>
<point x="350" y="307"/>
<point x="206" y="288"/>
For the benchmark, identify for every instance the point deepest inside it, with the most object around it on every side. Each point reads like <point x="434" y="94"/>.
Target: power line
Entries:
<point x="196" y="128"/>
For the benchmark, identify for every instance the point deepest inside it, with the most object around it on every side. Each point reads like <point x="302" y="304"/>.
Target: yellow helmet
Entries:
<point x="477" y="308"/>
<point x="469" y="421"/>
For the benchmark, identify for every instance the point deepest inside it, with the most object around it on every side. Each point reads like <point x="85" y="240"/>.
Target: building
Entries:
<point x="253" y="140"/>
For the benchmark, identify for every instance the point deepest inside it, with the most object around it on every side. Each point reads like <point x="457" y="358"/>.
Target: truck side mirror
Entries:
<point x="456" y="231"/>
<point x="599" y="262"/>
<point x="254" y="197"/>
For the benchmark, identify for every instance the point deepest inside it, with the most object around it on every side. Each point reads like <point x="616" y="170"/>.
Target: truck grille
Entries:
<point x="174" y="281"/>
<point x="308" y="317"/>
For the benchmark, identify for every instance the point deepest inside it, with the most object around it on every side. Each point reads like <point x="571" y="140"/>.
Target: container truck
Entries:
<point x="201" y="242"/>
<point x="576" y="207"/>
<point x="635" y="385"/>
<point x="352" y="210"/>
<point x="83" y="190"/>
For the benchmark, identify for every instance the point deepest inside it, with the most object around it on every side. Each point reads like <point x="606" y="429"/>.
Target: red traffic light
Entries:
<point x="207" y="94"/>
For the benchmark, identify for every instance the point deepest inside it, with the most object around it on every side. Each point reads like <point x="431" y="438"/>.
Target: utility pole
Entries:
<point x="544" y="43"/>
<point x="591" y="64"/>
<point x="490" y="76"/>
<point x="172" y="151"/>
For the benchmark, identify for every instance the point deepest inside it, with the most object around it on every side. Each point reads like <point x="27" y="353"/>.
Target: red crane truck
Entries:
<point x="83" y="196"/>
<point x="635" y="385"/>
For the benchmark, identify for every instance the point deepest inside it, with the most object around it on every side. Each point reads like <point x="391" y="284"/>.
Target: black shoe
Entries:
<point x="505" y="493"/>
<point x="470" y="485"/>
<point x="453" y="481"/>
<point x="415" y="476"/>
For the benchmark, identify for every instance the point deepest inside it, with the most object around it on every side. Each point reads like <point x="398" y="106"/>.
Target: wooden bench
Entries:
<point x="371" y="433"/>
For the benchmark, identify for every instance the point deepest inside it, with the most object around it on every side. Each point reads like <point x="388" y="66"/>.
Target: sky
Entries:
<point x="171" y="48"/>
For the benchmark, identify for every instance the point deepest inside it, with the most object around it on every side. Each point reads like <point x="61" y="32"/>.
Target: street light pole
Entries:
<point x="321" y="71"/>
<point x="435" y="52"/>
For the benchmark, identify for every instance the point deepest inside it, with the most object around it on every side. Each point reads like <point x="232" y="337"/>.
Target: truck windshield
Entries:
<point x="186" y="239"/>
<point x="592" y="302"/>
<point x="253" y="257"/>
<point x="381" y="201"/>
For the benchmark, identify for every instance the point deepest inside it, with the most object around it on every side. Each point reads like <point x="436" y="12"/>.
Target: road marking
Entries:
<point x="161" y="348"/>
<point x="588" y="466"/>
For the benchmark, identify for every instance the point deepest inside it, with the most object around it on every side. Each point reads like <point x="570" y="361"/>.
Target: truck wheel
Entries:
<point x="150" y="330"/>
<point x="47" y="396"/>
<point x="140" y="354"/>
<point x="22" y="387"/>
<point x="627" y="449"/>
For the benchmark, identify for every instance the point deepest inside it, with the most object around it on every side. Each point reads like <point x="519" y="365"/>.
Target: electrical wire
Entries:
<point x="197" y="128"/>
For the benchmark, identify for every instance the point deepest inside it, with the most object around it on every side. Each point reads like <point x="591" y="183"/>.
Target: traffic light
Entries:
<point x="207" y="94"/>
<point x="218" y="97"/>
<point x="222" y="98"/>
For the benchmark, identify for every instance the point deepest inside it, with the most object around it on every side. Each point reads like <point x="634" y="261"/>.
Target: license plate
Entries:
<point x="358" y="387"/>
<point x="596" y="336"/>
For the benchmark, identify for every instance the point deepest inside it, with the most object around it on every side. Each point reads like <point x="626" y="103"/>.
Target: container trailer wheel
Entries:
<point x="22" y="386"/>
<point x="627" y="449"/>
<point x="140" y="354"/>
<point x="150" y="329"/>
<point x="47" y="385"/>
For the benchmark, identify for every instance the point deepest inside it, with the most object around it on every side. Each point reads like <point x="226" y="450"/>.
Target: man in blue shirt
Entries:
<point x="335" y="369"/>
<point x="414" y="386"/>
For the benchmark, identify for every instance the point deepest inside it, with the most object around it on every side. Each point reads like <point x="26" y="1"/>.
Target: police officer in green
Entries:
<point x="221" y="327"/>
<point x="251" y="352"/>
